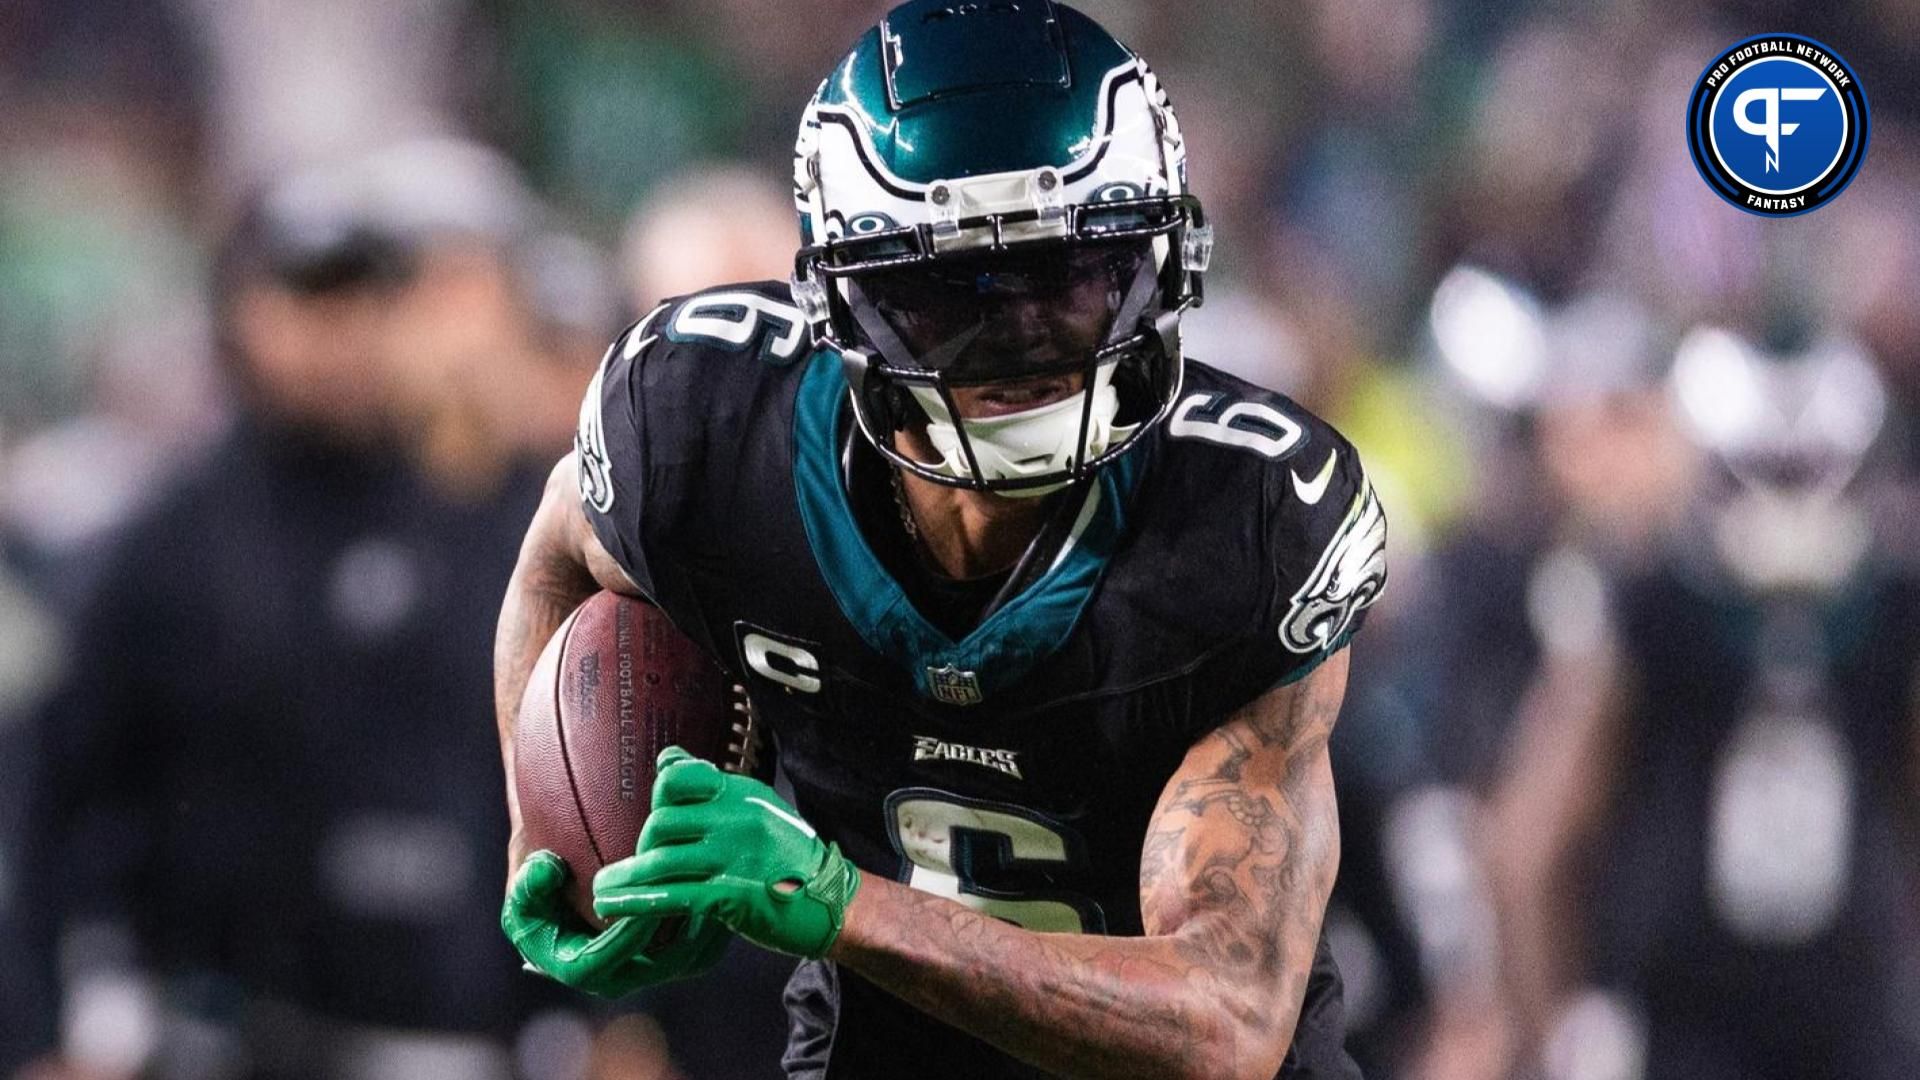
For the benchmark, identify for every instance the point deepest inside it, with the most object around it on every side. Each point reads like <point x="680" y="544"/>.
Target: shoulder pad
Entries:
<point x="669" y="405"/>
<point x="1322" y="536"/>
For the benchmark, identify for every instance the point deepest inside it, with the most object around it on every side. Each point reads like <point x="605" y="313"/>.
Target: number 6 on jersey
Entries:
<point x="952" y="843"/>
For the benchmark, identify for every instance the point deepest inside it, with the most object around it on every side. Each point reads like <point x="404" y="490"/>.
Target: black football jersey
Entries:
<point x="1013" y="769"/>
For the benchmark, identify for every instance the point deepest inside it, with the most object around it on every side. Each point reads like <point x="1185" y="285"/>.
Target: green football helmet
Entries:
<point x="994" y="194"/>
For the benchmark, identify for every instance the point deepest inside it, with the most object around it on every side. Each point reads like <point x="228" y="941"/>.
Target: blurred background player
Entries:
<point x="275" y="814"/>
<point x="1717" y="751"/>
<point x="704" y="226"/>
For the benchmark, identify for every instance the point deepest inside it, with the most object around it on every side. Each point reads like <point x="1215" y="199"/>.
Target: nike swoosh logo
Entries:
<point x="783" y="816"/>
<point x="1311" y="492"/>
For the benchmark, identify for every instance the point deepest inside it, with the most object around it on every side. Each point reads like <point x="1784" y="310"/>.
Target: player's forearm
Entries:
<point x="548" y="582"/>
<point x="543" y="591"/>
<point x="1235" y="872"/>
<point x="1075" y="1005"/>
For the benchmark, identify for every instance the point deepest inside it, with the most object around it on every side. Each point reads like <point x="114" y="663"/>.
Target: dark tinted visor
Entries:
<point x="1006" y="314"/>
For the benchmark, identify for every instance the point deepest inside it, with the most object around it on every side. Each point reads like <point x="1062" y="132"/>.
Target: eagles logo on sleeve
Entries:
<point x="590" y="446"/>
<point x="1350" y="574"/>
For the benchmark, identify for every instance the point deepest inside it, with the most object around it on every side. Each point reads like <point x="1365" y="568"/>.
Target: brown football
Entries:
<point x="616" y="685"/>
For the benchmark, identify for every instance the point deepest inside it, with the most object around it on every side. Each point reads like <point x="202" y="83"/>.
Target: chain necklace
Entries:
<point x="907" y="519"/>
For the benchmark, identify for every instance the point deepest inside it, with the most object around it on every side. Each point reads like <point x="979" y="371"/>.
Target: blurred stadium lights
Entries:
<point x="1598" y="1036"/>
<point x="30" y="656"/>
<point x="1567" y="603"/>
<point x="435" y="184"/>
<point x="1775" y="539"/>
<point x="1805" y="419"/>
<point x="1508" y="349"/>
<point x="1600" y="342"/>
<point x="1717" y="389"/>
<point x="112" y="1023"/>
<point x="1505" y="199"/>
<point x="1491" y="334"/>
<point x="1429" y="842"/>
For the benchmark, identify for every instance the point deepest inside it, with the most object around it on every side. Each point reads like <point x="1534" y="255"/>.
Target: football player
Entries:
<point x="1046" y="621"/>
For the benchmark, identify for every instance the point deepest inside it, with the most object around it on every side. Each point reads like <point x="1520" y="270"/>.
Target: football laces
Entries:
<point x="745" y="749"/>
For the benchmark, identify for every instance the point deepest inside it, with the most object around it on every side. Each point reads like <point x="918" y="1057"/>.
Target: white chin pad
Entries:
<point x="1031" y="443"/>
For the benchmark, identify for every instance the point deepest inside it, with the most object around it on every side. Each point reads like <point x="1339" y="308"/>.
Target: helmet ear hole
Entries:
<point x="901" y="406"/>
<point x="886" y="406"/>
<point x="1134" y="387"/>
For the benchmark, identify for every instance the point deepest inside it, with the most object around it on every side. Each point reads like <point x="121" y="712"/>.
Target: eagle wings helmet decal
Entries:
<point x="1349" y="576"/>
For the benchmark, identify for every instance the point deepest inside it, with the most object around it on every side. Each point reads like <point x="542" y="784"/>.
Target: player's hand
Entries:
<point x="558" y="944"/>
<point x="729" y="848"/>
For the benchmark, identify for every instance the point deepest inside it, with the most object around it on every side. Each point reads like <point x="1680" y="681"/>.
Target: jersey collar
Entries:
<point x="1009" y="643"/>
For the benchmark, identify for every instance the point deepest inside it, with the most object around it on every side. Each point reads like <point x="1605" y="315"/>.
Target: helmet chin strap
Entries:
<point x="1032" y="442"/>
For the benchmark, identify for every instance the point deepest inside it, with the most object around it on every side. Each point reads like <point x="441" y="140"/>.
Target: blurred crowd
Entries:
<point x="298" y="298"/>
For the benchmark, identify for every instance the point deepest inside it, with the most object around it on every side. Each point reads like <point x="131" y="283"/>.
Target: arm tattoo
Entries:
<point x="550" y="580"/>
<point x="1074" y="1005"/>
<point x="1243" y="848"/>
<point x="1234" y="878"/>
<point x="539" y="599"/>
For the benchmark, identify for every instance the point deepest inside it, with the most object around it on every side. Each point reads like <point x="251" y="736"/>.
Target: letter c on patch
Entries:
<point x="789" y="665"/>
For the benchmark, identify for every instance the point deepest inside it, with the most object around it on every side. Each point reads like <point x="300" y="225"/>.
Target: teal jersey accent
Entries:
<point x="1010" y="642"/>
<point x="1312" y="664"/>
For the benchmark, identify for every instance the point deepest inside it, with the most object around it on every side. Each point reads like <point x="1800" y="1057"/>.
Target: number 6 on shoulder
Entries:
<point x="1250" y="425"/>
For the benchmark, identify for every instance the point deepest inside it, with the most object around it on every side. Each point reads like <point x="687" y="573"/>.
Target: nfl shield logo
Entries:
<point x="953" y="686"/>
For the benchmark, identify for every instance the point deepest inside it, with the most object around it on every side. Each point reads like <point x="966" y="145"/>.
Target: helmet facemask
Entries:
<point x="944" y="351"/>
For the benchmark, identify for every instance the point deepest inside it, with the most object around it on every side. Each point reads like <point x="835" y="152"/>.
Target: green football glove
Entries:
<point x="725" y="847"/>
<point x="613" y="963"/>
